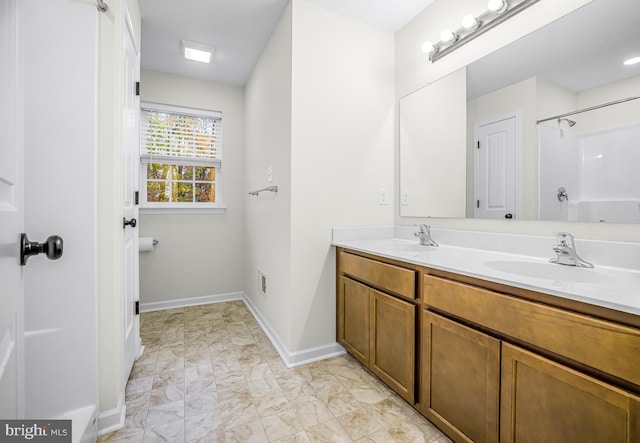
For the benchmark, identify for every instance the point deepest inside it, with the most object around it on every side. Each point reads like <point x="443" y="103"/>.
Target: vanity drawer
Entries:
<point x="397" y="280"/>
<point x="605" y="346"/>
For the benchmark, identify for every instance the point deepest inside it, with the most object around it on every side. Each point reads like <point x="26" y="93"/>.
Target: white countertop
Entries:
<point x="607" y="286"/>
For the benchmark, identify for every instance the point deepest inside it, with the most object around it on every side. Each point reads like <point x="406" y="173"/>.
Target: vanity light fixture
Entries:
<point x="197" y="51"/>
<point x="429" y="48"/>
<point x="470" y="22"/>
<point x="497" y="12"/>
<point x="498" y="6"/>
<point x="448" y="36"/>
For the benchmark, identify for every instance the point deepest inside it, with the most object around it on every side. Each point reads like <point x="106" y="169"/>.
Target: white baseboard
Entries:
<point x="193" y="301"/>
<point x="300" y="358"/>
<point x="112" y="420"/>
<point x="297" y="358"/>
<point x="290" y="359"/>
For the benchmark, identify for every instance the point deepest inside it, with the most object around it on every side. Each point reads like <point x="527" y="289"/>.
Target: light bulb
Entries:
<point x="447" y="36"/>
<point x="470" y="22"/>
<point x="428" y="47"/>
<point x="498" y="6"/>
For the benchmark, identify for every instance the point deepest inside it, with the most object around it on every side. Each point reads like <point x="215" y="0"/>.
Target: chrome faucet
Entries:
<point x="424" y="234"/>
<point x="566" y="251"/>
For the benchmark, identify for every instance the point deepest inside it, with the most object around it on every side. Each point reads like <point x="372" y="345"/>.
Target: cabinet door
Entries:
<point x="543" y="401"/>
<point x="354" y="315"/>
<point x="393" y="349"/>
<point x="460" y="379"/>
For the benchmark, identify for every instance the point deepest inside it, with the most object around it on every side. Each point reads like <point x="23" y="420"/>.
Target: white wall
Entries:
<point x="319" y="108"/>
<point x="198" y="254"/>
<point x="341" y="153"/>
<point x="413" y="71"/>
<point x="611" y="116"/>
<point x="268" y="216"/>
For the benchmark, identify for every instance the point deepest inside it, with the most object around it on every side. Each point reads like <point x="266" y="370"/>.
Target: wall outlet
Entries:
<point x="382" y="196"/>
<point x="404" y="197"/>
<point x="270" y="174"/>
<point x="262" y="283"/>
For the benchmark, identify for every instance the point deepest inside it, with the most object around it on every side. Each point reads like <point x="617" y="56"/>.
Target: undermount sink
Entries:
<point x="550" y="271"/>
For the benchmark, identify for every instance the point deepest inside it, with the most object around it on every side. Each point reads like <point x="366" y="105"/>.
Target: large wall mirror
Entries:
<point x="550" y="126"/>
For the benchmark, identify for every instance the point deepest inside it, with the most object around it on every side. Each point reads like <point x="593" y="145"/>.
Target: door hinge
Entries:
<point x="137" y="88"/>
<point x="136" y="197"/>
<point x="137" y="307"/>
<point x="478" y="144"/>
<point x="477" y="203"/>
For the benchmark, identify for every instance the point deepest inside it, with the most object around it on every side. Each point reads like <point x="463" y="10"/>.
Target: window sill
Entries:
<point x="177" y="210"/>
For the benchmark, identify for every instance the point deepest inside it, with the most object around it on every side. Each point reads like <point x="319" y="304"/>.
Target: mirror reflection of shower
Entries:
<point x="594" y="160"/>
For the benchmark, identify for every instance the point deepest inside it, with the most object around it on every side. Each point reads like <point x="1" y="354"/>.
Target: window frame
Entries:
<point x="145" y="159"/>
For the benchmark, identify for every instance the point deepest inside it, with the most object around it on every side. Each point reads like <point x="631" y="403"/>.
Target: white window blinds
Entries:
<point x="174" y="135"/>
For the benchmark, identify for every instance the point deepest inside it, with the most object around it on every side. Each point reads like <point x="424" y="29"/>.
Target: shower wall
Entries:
<point x="559" y="166"/>
<point x="598" y="169"/>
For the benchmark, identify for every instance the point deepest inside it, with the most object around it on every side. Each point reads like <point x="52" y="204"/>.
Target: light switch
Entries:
<point x="270" y="174"/>
<point x="404" y="197"/>
<point x="382" y="196"/>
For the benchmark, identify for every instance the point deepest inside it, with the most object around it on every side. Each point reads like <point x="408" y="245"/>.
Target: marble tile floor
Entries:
<point x="210" y="374"/>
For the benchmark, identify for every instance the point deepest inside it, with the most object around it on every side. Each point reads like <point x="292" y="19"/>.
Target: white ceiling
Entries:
<point x="386" y="14"/>
<point x="593" y="39"/>
<point x="239" y="31"/>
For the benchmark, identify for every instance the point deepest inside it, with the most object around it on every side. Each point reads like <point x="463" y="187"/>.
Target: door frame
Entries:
<point x="517" y="115"/>
<point x="129" y="34"/>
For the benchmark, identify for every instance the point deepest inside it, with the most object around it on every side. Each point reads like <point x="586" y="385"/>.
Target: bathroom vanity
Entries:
<point x="491" y="355"/>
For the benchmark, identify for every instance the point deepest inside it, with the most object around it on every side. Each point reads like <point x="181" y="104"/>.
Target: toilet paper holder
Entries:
<point x="147" y="244"/>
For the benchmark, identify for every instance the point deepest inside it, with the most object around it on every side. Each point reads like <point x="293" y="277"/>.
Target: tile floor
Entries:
<point x="210" y="374"/>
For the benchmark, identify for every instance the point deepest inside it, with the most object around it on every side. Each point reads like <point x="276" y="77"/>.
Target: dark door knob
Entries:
<point x="508" y="216"/>
<point x="133" y="222"/>
<point x="52" y="248"/>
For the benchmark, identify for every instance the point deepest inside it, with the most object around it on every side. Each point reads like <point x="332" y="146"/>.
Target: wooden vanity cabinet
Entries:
<point x="376" y="319"/>
<point x="494" y="363"/>
<point x="555" y="394"/>
<point x="354" y="318"/>
<point x="393" y="348"/>
<point x="543" y="401"/>
<point x="461" y="379"/>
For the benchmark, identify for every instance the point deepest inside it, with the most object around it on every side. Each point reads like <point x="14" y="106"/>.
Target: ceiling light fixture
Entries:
<point x="472" y="26"/>
<point x="632" y="61"/>
<point x="197" y="51"/>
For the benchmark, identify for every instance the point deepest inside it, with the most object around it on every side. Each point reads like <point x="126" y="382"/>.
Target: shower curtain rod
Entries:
<point x="579" y="111"/>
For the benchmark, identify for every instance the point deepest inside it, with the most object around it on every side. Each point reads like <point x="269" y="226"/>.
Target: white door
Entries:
<point x="11" y="221"/>
<point x="48" y="333"/>
<point x="131" y="152"/>
<point x="496" y="172"/>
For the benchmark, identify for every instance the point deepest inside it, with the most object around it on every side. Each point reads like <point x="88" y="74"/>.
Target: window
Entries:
<point x="180" y="157"/>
